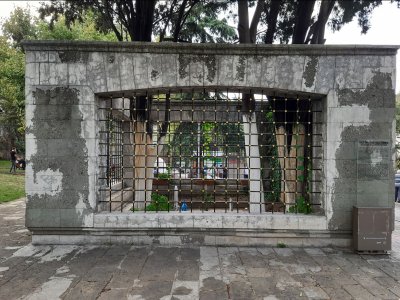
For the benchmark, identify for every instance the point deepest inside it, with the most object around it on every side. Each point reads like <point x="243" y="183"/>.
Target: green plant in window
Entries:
<point x="166" y="176"/>
<point x="207" y="200"/>
<point x="302" y="206"/>
<point x="158" y="203"/>
<point x="281" y="245"/>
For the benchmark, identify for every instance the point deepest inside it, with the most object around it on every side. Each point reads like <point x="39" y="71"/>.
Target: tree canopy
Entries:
<point x="283" y="21"/>
<point x="19" y="26"/>
<point x="12" y="104"/>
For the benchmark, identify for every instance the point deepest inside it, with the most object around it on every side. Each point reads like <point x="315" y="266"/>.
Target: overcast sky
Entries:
<point x="385" y="24"/>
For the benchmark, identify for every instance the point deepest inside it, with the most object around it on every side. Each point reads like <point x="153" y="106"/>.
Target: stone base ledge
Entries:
<point x="245" y="221"/>
<point x="192" y="238"/>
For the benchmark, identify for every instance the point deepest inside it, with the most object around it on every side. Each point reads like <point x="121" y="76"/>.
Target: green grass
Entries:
<point x="12" y="186"/>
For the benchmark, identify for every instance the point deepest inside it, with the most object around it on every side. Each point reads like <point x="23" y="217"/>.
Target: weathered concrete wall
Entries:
<point x="63" y="79"/>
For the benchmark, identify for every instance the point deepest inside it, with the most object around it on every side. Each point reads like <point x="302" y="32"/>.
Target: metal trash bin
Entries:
<point x="372" y="229"/>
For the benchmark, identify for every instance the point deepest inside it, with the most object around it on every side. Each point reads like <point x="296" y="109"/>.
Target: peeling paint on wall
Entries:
<point x="241" y="68"/>
<point x="45" y="182"/>
<point x="310" y="71"/>
<point x="209" y="62"/>
<point x="59" y="165"/>
<point x="73" y="56"/>
<point x="358" y="125"/>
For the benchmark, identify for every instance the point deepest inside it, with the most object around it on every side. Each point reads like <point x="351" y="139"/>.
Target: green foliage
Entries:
<point x="183" y="143"/>
<point x="302" y="206"/>
<point x="207" y="200"/>
<point x="344" y="11"/>
<point x="166" y="176"/>
<point x="12" y="96"/>
<point x="20" y="25"/>
<point x="84" y="30"/>
<point x="203" y="25"/>
<point x="158" y="203"/>
<point x="398" y="114"/>
<point x="281" y="245"/>
<point x="213" y="137"/>
<point x="200" y="21"/>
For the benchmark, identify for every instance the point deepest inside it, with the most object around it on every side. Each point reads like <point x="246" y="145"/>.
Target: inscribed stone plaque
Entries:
<point x="373" y="158"/>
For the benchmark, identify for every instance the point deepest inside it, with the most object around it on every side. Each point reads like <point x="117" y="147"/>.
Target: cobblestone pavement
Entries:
<point x="125" y="272"/>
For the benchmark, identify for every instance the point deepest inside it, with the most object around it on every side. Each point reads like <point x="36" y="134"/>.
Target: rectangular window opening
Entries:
<point x="210" y="151"/>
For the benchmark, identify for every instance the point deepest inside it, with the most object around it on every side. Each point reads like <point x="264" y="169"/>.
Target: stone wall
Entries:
<point x="65" y="79"/>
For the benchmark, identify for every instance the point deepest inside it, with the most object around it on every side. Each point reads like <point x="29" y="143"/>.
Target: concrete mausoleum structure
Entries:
<point x="65" y="82"/>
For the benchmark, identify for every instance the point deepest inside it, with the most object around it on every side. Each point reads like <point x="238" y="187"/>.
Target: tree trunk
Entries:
<point x="303" y="19"/>
<point x="291" y="160"/>
<point x="292" y="126"/>
<point x="265" y="140"/>
<point x="144" y="153"/>
<point x="272" y="18"/>
<point x="256" y="19"/>
<point x="143" y="25"/>
<point x="280" y="133"/>
<point x="243" y="24"/>
<point x="323" y="15"/>
<point x="256" y="194"/>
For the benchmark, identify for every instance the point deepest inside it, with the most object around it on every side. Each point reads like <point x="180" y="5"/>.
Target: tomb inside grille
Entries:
<point x="210" y="151"/>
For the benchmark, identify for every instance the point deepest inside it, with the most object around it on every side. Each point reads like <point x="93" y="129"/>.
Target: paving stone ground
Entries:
<point x="129" y="272"/>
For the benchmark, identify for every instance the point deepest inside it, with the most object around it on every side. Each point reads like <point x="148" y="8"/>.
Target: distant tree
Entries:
<point x="128" y="19"/>
<point x="138" y="20"/>
<point x="85" y="30"/>
<point x="20" y="25"/>
<point x="298" y="21"/>
<point x="195" y="22"/>
<point x="398" y="114"/>
<point x="12" y="98"/>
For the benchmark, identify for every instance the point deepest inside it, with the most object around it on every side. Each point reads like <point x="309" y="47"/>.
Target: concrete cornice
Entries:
<point x="209" y="49"/>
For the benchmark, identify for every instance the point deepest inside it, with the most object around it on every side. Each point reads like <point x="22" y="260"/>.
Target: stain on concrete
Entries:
<point x="57" y="138"/>
<point x="154" y="74"/>
<point x="310" y="71"/>
<point x="156" y="241"/>
<point x="73" y="56"/>
<point x="212" y="284"/>
<point x="209" y="62"/>
<point x="183" y="61"/>
<point x="182" y="291"/>
<point x="111" y="58"/>
<point x="241" y="68"/>
<point x="379" y="93"/>
<point x="192" y="239"/>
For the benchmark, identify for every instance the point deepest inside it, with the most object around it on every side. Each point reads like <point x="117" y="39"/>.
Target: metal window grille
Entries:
<point x="201" y="150"/>
<point x="113" y="150"/>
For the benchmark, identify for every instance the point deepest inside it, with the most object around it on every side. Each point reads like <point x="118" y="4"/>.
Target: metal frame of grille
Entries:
<point x="114" y="146"/>
<point x="193" y="151"/>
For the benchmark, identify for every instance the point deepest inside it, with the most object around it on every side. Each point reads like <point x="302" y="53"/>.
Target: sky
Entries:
<point x="385" y="24"/>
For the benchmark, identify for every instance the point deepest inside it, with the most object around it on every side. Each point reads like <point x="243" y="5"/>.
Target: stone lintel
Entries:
<point x="210" y="49"/>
